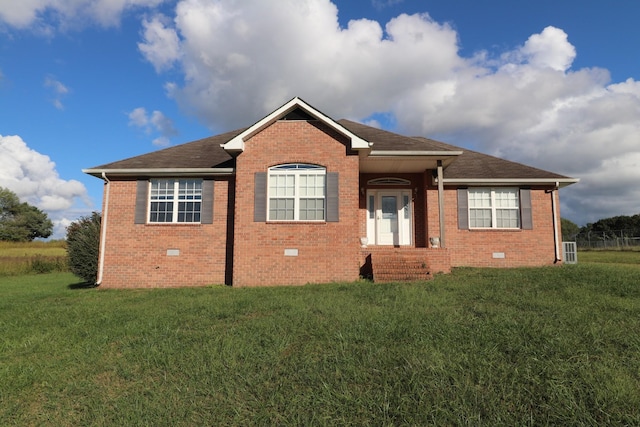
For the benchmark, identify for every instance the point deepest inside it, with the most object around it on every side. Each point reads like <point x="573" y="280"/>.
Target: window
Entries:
<point x="494" y="208"/>
<point x="296" y="192"/>
<point x="175" y="200"/>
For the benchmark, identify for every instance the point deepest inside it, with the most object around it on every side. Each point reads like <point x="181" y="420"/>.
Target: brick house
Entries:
<point x="301" y="198"/>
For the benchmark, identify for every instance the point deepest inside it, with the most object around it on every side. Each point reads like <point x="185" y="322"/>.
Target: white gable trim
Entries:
<point x="236" y="144"/>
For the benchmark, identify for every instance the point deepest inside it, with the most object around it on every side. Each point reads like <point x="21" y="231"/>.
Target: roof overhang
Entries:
<point x="556" y="182"/>
<point x="236" y="145"/>
<point x="380" y="161"/>
<point x="160" y="172"/>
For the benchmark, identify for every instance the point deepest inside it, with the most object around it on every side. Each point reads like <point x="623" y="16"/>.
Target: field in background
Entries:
<point x="629" y="257"/>
<point x="17" y="258"/>
<point x="535" y="346"/>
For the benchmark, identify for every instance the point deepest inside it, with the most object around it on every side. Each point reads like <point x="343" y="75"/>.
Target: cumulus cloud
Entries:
<point x="156" y="122"/>
<point x="240" y="60"/>
<point x="162" y="45"/>
<point x="49" y="15"/>
<point x="33" y="177"/>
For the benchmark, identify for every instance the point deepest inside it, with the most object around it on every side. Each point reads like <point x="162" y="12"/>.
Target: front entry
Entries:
<point x="389" y="217"/>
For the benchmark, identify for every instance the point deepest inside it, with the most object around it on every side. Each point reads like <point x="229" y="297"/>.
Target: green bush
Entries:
<point x="83" y="242"/>
<point x="41" y="264"/>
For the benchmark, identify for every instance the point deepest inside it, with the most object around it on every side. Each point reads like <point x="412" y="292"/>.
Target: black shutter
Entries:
<point x="333" y="197"/>
<point x="526" y="215"/>
<point x="260" y="197"/>
<point x="142" y="201"/>
<point x="463" y="209"/>
<point x="206" y="211"/>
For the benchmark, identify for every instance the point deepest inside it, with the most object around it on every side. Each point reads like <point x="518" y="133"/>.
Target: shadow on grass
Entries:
<point x="82" y="285"/>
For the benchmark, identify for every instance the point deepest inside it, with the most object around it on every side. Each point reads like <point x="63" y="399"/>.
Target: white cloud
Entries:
<point x="58" y="90"/>
<point x="156" y="122"/>
<point x="240" y="60"/>
<point x="162" y="45"/>
<point x="33" y="177"/>
<point x="47" y="16"/>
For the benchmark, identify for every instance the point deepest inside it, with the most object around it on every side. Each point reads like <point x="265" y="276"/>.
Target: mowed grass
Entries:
<point x="630" y="257"/>
<point x="488" y="347"/>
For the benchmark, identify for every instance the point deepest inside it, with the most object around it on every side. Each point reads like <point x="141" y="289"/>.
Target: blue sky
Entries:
<point x="552" y="84"/>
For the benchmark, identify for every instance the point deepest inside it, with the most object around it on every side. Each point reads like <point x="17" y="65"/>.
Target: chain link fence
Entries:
<point x="613" y="239"/>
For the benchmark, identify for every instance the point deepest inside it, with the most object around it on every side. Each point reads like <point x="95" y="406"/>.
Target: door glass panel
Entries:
<point x="389" y="207"/>
<point x="372" y="207"/>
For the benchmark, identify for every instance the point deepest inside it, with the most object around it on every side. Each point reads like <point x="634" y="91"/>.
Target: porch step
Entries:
<point x="399" y="266"/>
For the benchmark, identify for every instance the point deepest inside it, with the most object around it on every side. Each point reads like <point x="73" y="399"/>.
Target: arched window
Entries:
<point x="297" y="192"/>
<point x="389" y="181"/>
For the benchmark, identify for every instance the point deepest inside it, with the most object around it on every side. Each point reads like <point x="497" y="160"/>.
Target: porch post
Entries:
<point x="441" y="204"/>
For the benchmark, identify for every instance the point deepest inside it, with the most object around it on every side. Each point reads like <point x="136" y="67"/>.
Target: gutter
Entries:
<point x="414" y="153"/>
<point x="103" y="229"/>
<point x="99" y="173"/>
<point x="556" y="240"/>
<point x="559" y="183"/>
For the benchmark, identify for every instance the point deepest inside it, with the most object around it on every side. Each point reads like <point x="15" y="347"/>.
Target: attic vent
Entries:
<point x="389" y="181"/>
<point x="298" y="114"/>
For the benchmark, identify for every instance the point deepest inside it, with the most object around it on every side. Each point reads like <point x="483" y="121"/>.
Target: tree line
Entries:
<point x="606" y="228"/>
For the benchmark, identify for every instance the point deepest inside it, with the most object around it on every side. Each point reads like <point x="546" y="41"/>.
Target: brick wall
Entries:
<point x="327" y="251"/>
<point x="136" y="254"/>
<point x="485" y="248"/>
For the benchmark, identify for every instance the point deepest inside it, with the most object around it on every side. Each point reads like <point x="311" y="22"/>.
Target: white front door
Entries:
<point x="389" y="217"/>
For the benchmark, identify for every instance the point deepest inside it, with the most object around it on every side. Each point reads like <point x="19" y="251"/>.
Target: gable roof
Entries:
<point x="215" y="155"/>
<point x="236" y="144"/>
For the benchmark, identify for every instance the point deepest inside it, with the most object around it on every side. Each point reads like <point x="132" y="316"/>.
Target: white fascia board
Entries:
<point x="558" y="182"/>
<point x="415" y="153"/>
<point x="161" y="172"/>
<point x="236" y="144"/>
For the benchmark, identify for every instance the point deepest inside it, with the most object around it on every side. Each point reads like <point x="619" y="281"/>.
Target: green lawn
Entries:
<point x="545" y="346"/>
<point x="631" y="257"/>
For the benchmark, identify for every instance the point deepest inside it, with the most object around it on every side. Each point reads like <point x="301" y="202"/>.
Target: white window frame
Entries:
<point x="494" y="208"/>
<point x="180" y="195"/>
<point x="296" y="171"/>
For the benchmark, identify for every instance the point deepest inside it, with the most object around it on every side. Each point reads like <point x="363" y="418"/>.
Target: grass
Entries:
<point x="631" y="257"/>
<point x="544" y="346"/>
<point x="17" y="258"/>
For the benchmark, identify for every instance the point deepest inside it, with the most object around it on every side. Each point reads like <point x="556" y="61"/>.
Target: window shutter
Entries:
<point x="142" y="201"/>
<point x="525" y="209"/>
<point x="260" y="197"/>
<point x="206" y="212"/>
<point x="333" y="197"/>
<point x="463" y="209"/>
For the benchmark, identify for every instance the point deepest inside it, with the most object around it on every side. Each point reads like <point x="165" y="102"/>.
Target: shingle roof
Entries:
<point x="203" y="153"/>
<point x="385" y="140"/>
<point x="474" y="165"/>
<point x="207" y="153"/>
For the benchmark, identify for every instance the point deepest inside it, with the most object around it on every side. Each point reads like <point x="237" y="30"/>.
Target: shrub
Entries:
<point x="41" y="264"/>
<point x="83" y="242"/>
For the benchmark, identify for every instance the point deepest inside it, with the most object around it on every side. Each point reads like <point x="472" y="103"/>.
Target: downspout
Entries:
<point x="441" y="204"/>
<point x="556" y="240"/>
<point x="103" y="229"/>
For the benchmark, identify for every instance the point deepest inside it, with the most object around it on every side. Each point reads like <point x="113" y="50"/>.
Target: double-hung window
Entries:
<point x="297" y="192"/>
<point x="494" y="208"/>
<point x="175" y="200"/>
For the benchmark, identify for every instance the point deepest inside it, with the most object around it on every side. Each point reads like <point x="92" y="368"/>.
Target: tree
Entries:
<point x="83" y="245"/>
<point x="569" y="230"/>
<point x="21" y="222"/>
